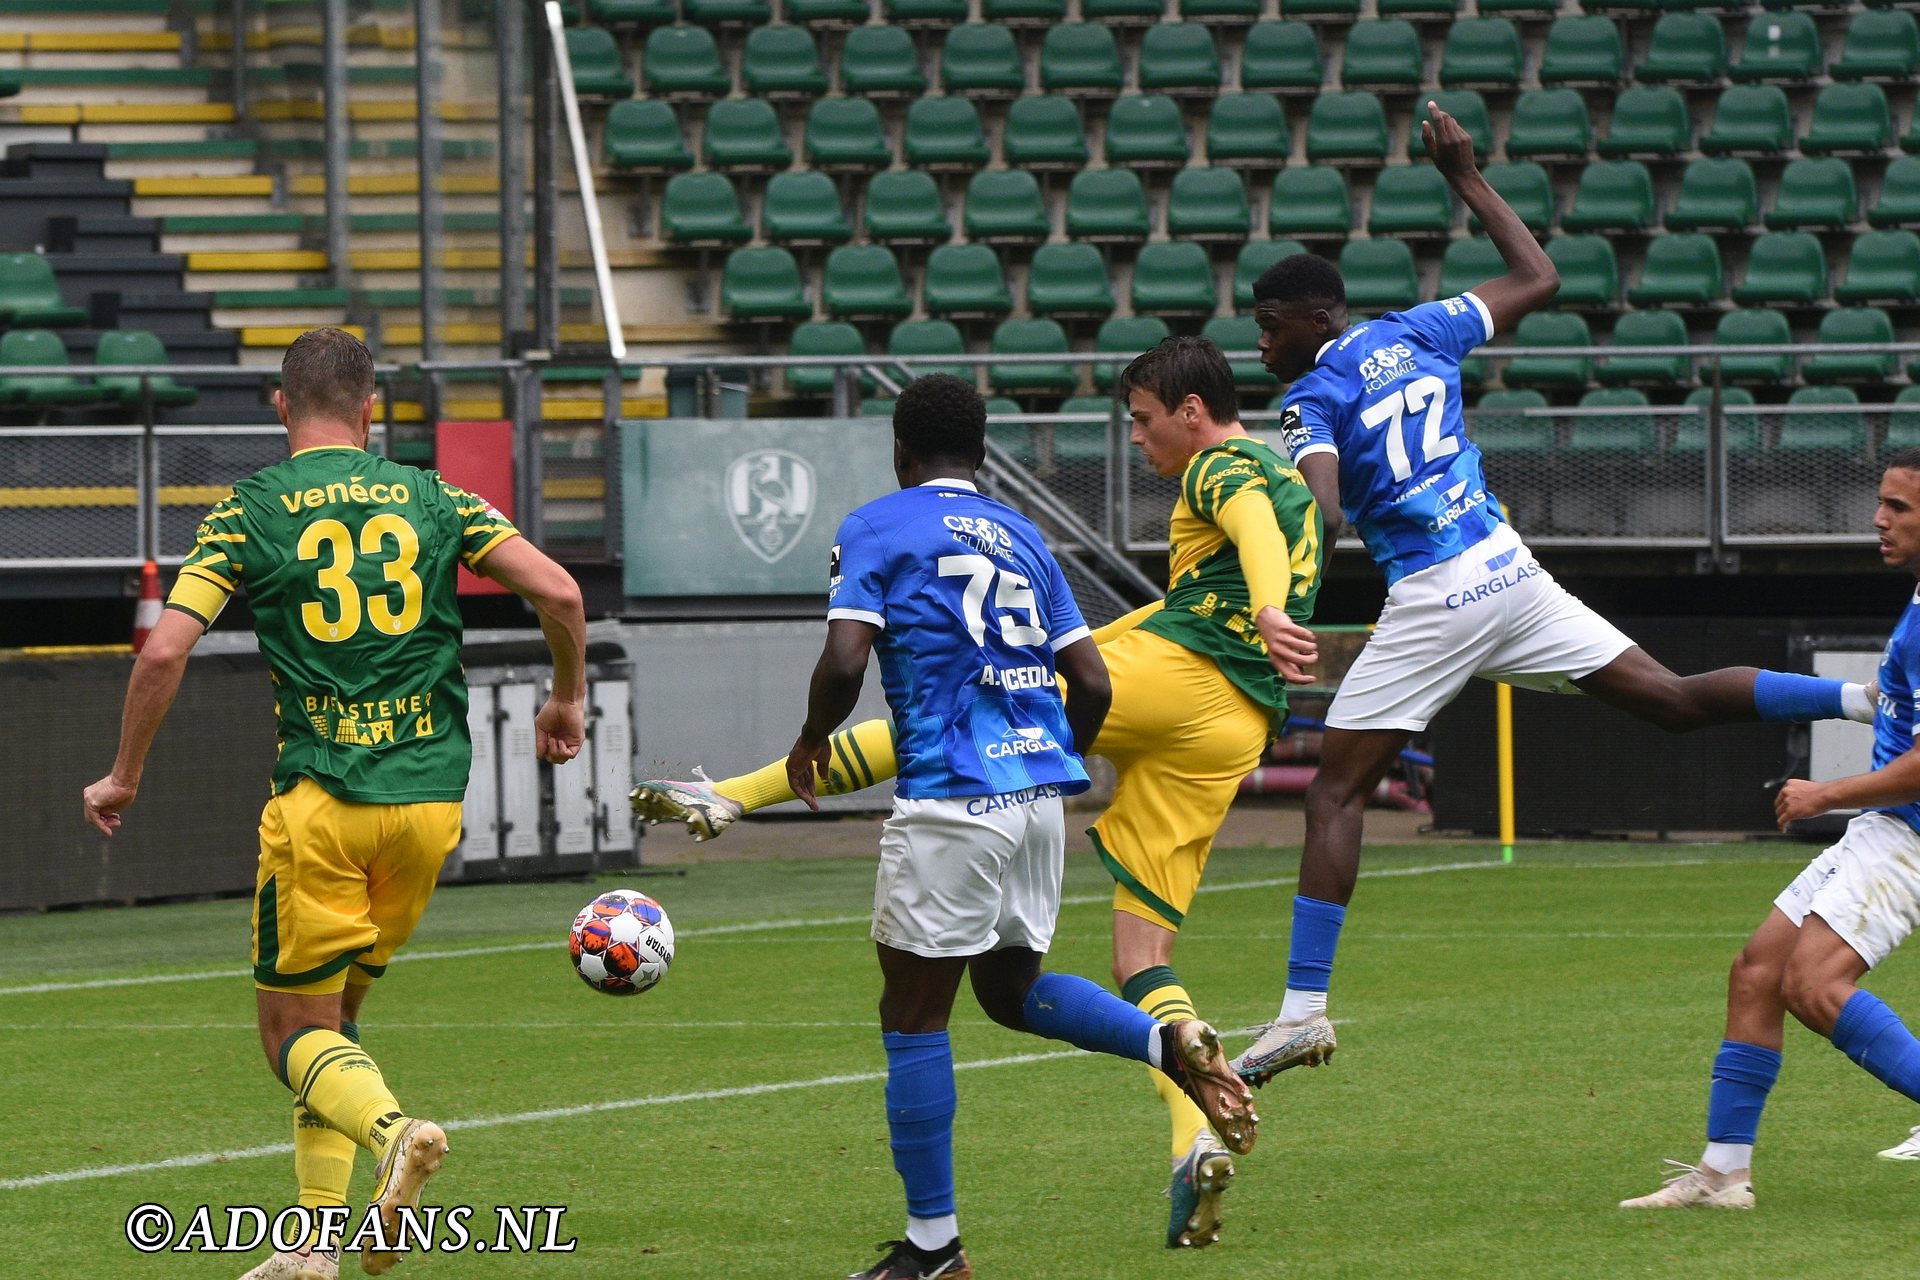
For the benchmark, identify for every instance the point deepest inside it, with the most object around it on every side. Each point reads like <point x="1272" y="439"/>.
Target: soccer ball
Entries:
<point x="621" y="942"/>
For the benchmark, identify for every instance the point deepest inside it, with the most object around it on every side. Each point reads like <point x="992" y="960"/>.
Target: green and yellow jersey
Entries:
<point x="1212" y="587"/>
<point x="349" y="563"/>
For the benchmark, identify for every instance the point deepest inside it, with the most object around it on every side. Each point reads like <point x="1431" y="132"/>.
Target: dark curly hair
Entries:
<point x="941" y="416"/>
<point x="1182" y="367"/>
<point x="1301" y="277"/>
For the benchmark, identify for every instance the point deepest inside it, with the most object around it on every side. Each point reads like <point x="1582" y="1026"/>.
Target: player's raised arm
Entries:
<point x="528" y="572"/>
<point x="837" y="678"/>
<point x="1531" y="279"/>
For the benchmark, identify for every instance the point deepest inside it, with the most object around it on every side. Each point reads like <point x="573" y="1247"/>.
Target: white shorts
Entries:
<point x="1866" y="887"/>
<point x="1490" y="611"/>
<point x="969" y="874"/>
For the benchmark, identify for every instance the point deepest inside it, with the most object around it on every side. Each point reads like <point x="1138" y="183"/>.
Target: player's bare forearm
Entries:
<point x="1089" y="691"/>
<point x="837" y="678"/>
<point x="1531" y="279"/>
<point x="1321" y="471"/>
<point x="151" y="689"/>
<point x="537" y="578"/>
<point x="1897" y="784"/>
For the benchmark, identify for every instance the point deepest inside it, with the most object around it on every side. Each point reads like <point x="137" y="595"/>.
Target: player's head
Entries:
<point x="1179" y="394"/>
<point x="1897" y="519"/>
<point x="1300" y="302"/>
<point x="326" y="380"/>
<point x="939" y="428"/>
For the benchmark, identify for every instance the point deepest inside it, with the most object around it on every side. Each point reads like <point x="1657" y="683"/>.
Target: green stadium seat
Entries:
<point x="1240" y="333"/>
<point x="1613" y="195"/>
<point x="1629" y="432"/>
<point x="744" y="134"/>
<point x="1179" y="58"/>
<point x="1648" y="120"/>
<point x="1209" y="204"/>
<point x="1248" y="130"/>
<point x="1045" y="132"/>
<point x="1815" y="192"/>
<point x="1582" y="50"/>
<point x="1785" y="266"/>
<point x="803" y="207"/>
<point x="42" y="391"/>
<point x="904" y="206"/>
<point x="863" y="281"/>
<point x="1853" y="324"/>
<point x="945" y="133"/>
<point x="780" y="61"/>
<point x="1550" y="122"/>
<point x="1750" y="120"/>
<point x="1380" y="275"/>
<point x="764" y="284"/>
<point x="1499" y="425"/>
<point x="642" y="135"/>
<point x="1526" y="8"/>
<point x="137" y="346"/>
<point x="1899" y="204"/>
<point x="930" y="338"/>
<point x="1001" y="405"/>
<point x="1309" y="202"/>
<point x="1127" y="336"/>
<point x="1742" y="431"/>
<point x="1903" y="423"/>
<point x="824" y="338"/>
<point x="1881" y="44"/>
<point x="1682" y="269"/>
<point x="966" y="280"/>
<point x="1347" y="126"/>
<point x="1255" y="257"/>
<point x="1069" y="280"/>
<point x="1281" y="56"/>
<point x="1004" y="206"/>
<point x="1334" y="10"/>
<point x="1525" y="186"/>
<point x="632" y="13"/>
<point x="1464" y="105"/>
<point x="877" y="407"/>
<point x="846" y="134"/>
<point x="828" y="14"/>
<point x="1752" y="328"/>
<point x="702" y="208"/>
<point x="1032" y="337"/>
<point x="881" y="62"/>
<point x="1551" y="329"/>
<point x="1221" y="13"/>
<point x="1467" y="264"/>
<point x="1685" y="48"/>
<point x="1849" y="119"/>
<point x="1024" y="13"/>
<point x="1910" y="140"/>
<point x="1173" y="279"/>
<point x="1382" y="54"/>
<point x="1419" y="8"/>
<point x="981" y="60"/>
<point x="925" y="13"/>
<point x="1411" y="200"/>
<point x="598" y="69"/>
<point x="1589" y="272"/>
<point x="1123" y="13"/>
<point x="1884" y="267"/>
<point x="683" y="62"/>
<point x="1647" y="329"/>
<point x="1781" y="47"/>
<point x="1081" y="59"/>
<point x="1840" y="435"/>
<point x="1716" y="195"/>
<point x="1482" y="51"/>
<point x="728" y="13"/>
<point x="1145" y="131"/>
<point x="1107" y="205"/>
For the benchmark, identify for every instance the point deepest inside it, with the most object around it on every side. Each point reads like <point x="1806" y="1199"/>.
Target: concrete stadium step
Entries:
<point x="218" y="37"/>
<point x="164" y="311"/>
<point x="401" y="148"/>
<point x="72" y="112"/>
<point x="27" y="206"/>
<point x="104" y="235"/>
<point x="89" y="41"/>
<point x="398" y="184"/>
<point x="82" y="275"/>
<point x="370" y="110"/>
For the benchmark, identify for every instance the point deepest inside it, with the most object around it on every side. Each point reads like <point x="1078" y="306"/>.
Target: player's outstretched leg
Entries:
<point x="1202" y="1167"/>
<point x="1638" y="684"/>
<point x="863" y="757"/>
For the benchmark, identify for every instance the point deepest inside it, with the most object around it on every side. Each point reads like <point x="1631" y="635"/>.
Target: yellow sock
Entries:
<point x="333" y="1077"/>
<point x="862" y="757"/>
<point x="1158" y="992"/>
<point x="322" y="1160"/>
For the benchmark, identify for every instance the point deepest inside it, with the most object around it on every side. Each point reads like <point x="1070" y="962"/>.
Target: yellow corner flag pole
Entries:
<point x="1503" y="734"/>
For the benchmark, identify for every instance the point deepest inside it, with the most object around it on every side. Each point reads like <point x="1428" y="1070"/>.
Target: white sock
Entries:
<point x="933" y="1233"/>
<point x="1156" y="1049"/>
<point x="1298" y="1006"/>
<point x="1727" y="1157"/>
<point x="1855" y="704"/>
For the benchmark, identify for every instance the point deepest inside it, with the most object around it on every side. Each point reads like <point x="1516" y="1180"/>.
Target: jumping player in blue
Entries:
<point x="970" y="617"/>
<point x="1839" y="918"/>
<point x="1373" y="422"/>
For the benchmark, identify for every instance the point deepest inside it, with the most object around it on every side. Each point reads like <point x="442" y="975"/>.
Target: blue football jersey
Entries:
<point x="1384" y="397"/>
<point x="972" y="607"/>
<point x="1893" y="719"/>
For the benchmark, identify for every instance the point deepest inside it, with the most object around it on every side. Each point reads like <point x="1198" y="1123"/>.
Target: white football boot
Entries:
<point x="1281" y="1045"/>
<point x="1907" y="1150"/>
<point x="705" y="811"/>
<point x="304" y="1264"/>
<point x="411" y="1159"/>
<point x="1693" y="1188"/>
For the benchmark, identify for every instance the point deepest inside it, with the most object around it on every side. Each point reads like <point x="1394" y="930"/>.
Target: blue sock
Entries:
<point x="920" y="1106"/>
<point x="1794" y="699"/>
<point x="1316" y="932"/>
<point x="1742" y="1076"/>
<point x="1061" y="1006"/>
<point x="1875" y="1038"/>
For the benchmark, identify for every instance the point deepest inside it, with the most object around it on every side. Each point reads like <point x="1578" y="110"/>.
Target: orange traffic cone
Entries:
<point x="146" y="614"/>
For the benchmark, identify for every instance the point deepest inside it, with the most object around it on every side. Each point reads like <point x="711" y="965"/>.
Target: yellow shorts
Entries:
<point x="342" y="884"/>
<point x="1182" y="737"/>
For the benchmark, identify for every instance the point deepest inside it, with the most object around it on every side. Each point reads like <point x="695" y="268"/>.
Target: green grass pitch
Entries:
<point x="1519" y="1048"/>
